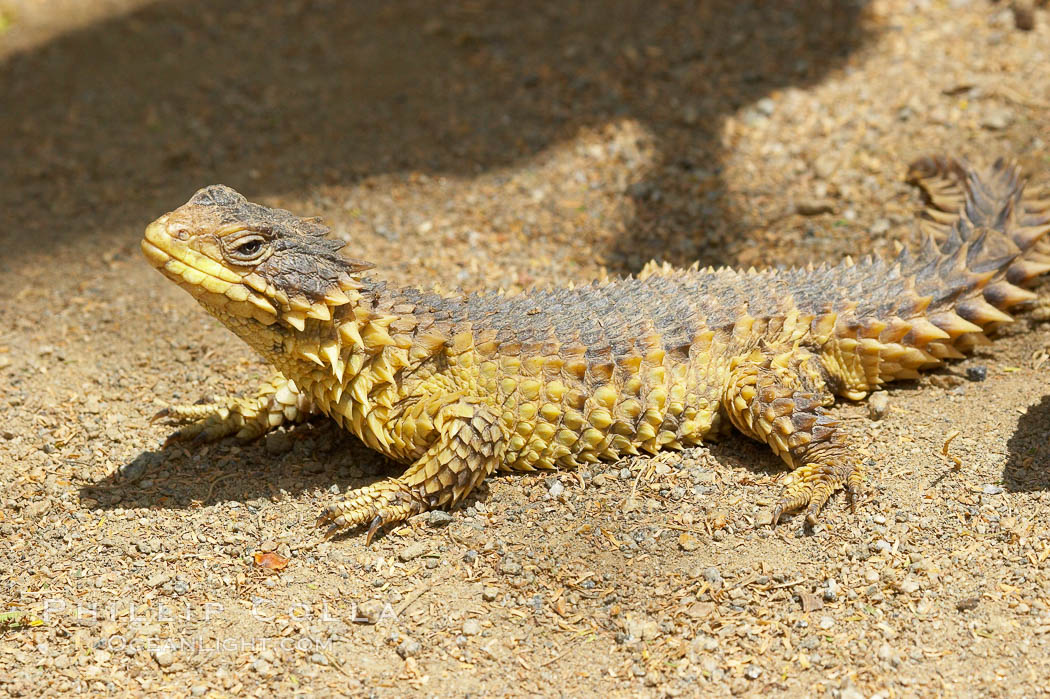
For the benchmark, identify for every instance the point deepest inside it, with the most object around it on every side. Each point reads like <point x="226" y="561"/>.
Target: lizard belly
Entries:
<point x="551" y="426"/>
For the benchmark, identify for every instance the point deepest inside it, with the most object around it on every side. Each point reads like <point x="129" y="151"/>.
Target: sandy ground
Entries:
<point x="482" y="144"/>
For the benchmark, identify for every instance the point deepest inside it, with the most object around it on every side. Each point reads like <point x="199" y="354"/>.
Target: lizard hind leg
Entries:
<point x="469" y="447"/>
<point x="781" y="400"/>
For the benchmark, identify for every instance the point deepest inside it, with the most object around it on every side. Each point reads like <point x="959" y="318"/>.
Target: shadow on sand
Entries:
<point x="110" y="124"/>
<point x="1028" y="465"/>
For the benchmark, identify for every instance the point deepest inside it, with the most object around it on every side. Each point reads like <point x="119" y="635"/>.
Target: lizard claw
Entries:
<point x="853" y="496"/>
<point x="377" y="524"/>
<point x="811" y="486"/>
<point x="853" y="481"/>
<point x="379" y="504"/>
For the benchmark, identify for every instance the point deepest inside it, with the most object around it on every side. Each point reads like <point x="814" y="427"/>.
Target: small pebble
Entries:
<point x="164" y="657"/>
<point x="471" y="627"/>
<point x="831" y="594"/>
<point x="278" y="443"/>
<point x="878" y="404"/>
<point x="766" y="106"/>
<point x="368" y="612"/>
<point x="997" y="118"/>
<point x="706" y="477"/>
<point x="688" y="542"/>
<point x="885" y="651"/>
<point x="409" y="648"/>
<point x="556" y="489"/>
<point x="881" y="225"/>
<point x="642" y="628"/>
<point x="852" y="692"/>
<point x="814" y="207"/>
<point x="158" y="580"/>
<point x="133" y="471"/>
<point x="144" y="546"/>
<point x="909" y="586"/>
<point x="412" y="551"/>
<point x="825" y="165"/>
<point x="263" y="668"/>
<point x="1024" y="15"/>
<point x="438" y="518"/>
<point x="976" y="373"/>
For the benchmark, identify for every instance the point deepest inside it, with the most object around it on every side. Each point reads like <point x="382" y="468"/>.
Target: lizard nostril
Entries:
<point x="180" y="233"/>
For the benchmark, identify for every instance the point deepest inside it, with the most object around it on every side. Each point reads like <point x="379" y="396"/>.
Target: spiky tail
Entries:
<point x="983" y="242"/>
<point x="985" y="239"/>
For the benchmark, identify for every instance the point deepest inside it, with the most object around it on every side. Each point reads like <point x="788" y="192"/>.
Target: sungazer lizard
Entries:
<point x="459" y="386"/>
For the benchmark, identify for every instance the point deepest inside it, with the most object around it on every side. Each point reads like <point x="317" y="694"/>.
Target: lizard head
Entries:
<point x="250" y="261"/>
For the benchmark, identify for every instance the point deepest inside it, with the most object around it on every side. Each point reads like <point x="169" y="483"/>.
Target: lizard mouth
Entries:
<point x="213" y="285"/>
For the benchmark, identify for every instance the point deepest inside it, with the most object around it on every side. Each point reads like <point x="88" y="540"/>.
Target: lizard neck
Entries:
<point x="321" y="349"/>
<point x="352" y="365"/>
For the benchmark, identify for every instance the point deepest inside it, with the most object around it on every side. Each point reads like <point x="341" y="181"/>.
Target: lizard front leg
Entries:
<point x="276" y="402"/>
<point x="780" y="399"/>
<point x="469" y="446"/>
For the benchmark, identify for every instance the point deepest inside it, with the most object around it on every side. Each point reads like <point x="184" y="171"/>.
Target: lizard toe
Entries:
<point x="812" y="485"/>
<point x="380" y="504"/>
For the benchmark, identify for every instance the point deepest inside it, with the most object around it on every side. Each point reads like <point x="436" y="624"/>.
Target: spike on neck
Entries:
<point x="296" y="309"/>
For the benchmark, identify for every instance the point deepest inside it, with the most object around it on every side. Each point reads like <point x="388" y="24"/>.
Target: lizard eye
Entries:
<point x="250" y="247"/>
<point x="247" y="249"/>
